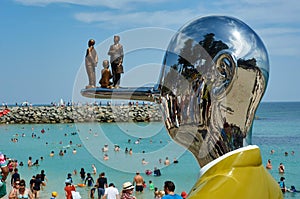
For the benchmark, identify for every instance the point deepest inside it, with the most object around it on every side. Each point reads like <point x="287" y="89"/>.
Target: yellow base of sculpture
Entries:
<point x="237" y="174"/>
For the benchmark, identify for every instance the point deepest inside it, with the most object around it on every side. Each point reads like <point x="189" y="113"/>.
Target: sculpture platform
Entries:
<point x="133" y="93"/>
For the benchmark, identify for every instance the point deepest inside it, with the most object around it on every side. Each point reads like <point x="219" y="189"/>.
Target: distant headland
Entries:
<point x="83" y="113"/>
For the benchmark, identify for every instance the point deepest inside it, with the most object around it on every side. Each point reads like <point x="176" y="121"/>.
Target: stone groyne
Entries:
<point x="87" y="113"/>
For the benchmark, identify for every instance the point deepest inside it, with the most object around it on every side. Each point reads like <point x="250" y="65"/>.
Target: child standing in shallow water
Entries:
<point x="82" y="174"/>
<point x="151" y="185"/>
<point x="92" y="192"/>
<point x="89" y="180"/>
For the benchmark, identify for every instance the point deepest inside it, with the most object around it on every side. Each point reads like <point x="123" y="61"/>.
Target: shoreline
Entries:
<point x="78" y="114"/>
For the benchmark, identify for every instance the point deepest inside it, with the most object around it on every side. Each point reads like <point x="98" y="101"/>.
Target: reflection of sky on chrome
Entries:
<point x="251" y="47"/>
<point x="241" y="46"/>
<point x="177" y="43"/>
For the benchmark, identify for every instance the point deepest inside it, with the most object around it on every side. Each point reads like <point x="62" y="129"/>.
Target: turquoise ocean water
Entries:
<point x="277" y="127"/>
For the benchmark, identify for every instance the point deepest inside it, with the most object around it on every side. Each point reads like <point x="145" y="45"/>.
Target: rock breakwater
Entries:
<point x="87" y="113"/>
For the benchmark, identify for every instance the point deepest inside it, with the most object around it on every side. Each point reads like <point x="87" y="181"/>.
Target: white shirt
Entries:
<point x="111" y="192"/>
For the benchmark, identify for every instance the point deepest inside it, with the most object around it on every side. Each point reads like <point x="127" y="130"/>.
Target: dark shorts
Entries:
<point x="139" y="188"/>
<point x="101" y="192"/>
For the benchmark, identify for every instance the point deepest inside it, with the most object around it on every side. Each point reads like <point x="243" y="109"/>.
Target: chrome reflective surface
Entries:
<point x="130" y="93"/>
<point x="214" y="74"/>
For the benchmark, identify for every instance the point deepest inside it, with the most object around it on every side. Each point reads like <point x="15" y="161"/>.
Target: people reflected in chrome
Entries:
<point x="214" y="74"/>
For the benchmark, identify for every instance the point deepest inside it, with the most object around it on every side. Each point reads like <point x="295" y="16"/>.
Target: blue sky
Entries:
<point x="43" y="42"/>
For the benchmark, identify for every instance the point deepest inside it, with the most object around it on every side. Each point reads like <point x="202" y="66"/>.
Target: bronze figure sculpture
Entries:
<point x="91" y="61"/>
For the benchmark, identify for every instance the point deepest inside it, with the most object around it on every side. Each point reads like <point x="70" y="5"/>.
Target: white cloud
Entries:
<point x="145" y="19"/>
<point x="258" y="13"/>
<point x="275" y="31"/>
<point x="283" y="45"/>
<point x="115" y="4"/>
<point x="281" y="41"/>
<point x="276" y="21"/>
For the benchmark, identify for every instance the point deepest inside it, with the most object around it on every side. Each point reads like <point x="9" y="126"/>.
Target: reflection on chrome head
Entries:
<point x="214" y="74"/>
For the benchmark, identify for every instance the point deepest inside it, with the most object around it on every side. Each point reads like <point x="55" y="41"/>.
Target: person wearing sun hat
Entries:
<point x="53" y="195"/>
<point x="127" y="191"/>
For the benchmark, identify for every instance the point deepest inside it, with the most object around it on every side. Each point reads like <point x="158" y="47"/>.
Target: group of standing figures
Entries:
<point x="116" y="60"/>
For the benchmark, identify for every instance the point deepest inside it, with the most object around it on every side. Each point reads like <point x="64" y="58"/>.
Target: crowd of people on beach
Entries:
<point x="100" y="188"/>
<point x="34" y="186"/>
<point x="17" y="186"/>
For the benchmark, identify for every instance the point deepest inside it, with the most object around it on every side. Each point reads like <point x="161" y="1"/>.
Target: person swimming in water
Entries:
<point x="269" y="164"/>
<point x="281" y="168"/>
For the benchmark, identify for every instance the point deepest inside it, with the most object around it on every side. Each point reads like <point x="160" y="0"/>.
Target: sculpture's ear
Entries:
<point x="225" y="69"/>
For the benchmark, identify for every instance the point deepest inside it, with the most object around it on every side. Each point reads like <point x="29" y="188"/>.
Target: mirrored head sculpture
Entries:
<point x="213" y="76"/>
